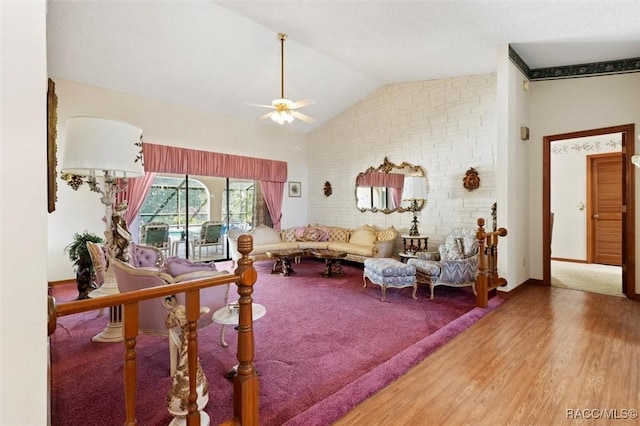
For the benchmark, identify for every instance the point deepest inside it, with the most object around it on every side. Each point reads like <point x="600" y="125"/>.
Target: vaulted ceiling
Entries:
<point x="219" y="55"/>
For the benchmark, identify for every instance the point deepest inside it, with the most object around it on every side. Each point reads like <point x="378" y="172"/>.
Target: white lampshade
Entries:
<point x="414" y="188"/>
<point x="94" y="145"/>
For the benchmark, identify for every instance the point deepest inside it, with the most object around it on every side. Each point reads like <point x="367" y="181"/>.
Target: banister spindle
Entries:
<point x="130" y="362"/>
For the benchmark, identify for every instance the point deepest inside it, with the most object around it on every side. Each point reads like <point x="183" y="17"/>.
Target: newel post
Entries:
<point x="482" y="297"/>
<point x="246" y="382"/>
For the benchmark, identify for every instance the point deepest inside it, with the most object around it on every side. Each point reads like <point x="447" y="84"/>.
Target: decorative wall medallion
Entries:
<point x="327" y="189"/>
<point x="471" y="179"/>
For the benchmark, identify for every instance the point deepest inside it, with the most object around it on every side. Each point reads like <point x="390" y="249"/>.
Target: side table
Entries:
<point x="404" y="256"/>
<point x="229" y="315"/>
<point x="414" y="243"/>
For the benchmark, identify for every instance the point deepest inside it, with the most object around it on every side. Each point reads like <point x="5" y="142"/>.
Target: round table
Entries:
<point x="332" y="266"/>
<point x="229" y="315"/>
<point x="282" y="263"/>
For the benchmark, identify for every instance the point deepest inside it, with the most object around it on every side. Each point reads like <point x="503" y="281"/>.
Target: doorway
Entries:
<point x="626" y="178"/>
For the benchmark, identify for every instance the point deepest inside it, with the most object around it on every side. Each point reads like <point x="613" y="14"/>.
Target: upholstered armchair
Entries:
<point x="153" y="313"/>
<point x="210" y="236"/>
<point x="457" y="264"/>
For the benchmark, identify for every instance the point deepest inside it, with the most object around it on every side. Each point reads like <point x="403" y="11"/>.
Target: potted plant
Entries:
<point x="79" y="255"/>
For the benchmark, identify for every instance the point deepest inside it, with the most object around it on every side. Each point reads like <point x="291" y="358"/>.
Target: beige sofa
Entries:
<point x="359" y="244"/>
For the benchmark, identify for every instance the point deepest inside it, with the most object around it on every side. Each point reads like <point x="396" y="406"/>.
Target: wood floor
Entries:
<point x="542" y="356"/>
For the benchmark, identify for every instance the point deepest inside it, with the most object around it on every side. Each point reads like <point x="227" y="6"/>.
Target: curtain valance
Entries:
<point x="170" y="159"/>
<point x="388" y="180"/>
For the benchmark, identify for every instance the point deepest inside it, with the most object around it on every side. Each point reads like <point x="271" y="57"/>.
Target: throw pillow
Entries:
<point x="175" y="266"/>
<point x="290" y="235"/>
<point x="365" y="236"/>
<point x="299" y="233"/>
<point x="315" y="233"/>
<point x="452" y="249"/>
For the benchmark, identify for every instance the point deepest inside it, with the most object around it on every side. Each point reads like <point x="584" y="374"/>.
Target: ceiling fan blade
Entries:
<point x="300" y="116"/>
<point x="267" y="115"/>
<point x="261" y="105"/>
<point x="302" y="103"/>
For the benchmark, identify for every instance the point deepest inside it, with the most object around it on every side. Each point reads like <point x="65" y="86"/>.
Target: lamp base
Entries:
<point x="414" y="227"/>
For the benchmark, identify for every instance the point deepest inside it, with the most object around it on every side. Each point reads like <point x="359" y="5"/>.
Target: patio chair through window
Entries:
<point x="156" y="234"/>
<point x="210" y="236"/>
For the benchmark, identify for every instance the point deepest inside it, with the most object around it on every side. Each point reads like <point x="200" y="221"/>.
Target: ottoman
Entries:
<point x="387" y="272"/>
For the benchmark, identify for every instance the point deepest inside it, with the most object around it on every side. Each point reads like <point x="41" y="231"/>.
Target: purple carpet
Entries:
<point x="324" y="346"/>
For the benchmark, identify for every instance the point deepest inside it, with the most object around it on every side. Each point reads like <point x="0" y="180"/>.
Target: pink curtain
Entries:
<point x="164" y="159"/>
<point x="137" y="189"/>
<point x="169" y="159"/>
<point x="393" y="181"/>
<point x="271" y="173"/>
<point x="273" y="193"/>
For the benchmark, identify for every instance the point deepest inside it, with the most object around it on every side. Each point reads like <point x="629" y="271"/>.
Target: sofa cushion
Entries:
<point x="315" y="245"/>
<point x="364" y="236"/>
<point x="351" y="248"/>
<point x="263" y="248"/>
<point x="427" y="267"/>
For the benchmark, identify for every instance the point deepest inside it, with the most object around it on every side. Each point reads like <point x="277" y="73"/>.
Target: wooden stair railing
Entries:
<point x="246" y="382"/>
<point x="487" y="279"/>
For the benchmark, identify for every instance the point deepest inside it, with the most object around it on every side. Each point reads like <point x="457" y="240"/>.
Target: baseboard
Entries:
<point x="61" y="282"/>
<point x="561" y="259"/>
<point x="519" y="288"/>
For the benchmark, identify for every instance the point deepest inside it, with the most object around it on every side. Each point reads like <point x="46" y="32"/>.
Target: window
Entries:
<point x="241" y="201"/>
<point x="167" y="199"/>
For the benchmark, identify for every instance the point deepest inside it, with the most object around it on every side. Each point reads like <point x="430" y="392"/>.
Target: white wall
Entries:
<point x="569" y="191"/>
<point x="512" y="169"/>
<point x="23" y="214"/>
<point x="570" y="105"/>
<point x="163" y="124"/>
<point x="445" y="126"/>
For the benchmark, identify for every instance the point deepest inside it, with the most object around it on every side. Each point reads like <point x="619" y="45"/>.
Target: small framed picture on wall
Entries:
<point x="295" y="189"/>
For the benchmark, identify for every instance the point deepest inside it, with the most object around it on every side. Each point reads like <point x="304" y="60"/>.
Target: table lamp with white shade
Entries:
<point x="414" y="191"/>
<point x="101" y="150"/>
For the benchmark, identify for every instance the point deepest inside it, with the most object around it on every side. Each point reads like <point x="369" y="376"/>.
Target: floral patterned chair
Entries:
<point x="156" y="234"/>
<point x="210" y="236"/>
<point x="457" y="264"/>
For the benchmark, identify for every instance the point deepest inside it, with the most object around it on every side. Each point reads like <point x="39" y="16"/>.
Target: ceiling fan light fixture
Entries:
<point x="281" y="117"/>
<point x="285" y="109"/>
<point x="282" y="103"/>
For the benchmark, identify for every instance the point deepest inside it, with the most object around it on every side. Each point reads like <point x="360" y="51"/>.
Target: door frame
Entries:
<point x="628" y="202"/>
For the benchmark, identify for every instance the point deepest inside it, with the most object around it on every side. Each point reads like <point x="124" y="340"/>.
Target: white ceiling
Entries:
<point x="218" y="55"/>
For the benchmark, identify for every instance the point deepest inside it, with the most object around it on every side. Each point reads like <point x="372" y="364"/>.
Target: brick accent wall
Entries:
<point x="445" y="126"/>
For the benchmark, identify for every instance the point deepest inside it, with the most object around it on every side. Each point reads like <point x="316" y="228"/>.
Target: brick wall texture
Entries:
<point x="445" y="126"/>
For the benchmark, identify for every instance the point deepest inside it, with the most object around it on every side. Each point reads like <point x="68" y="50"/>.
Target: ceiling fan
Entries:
<point x="284" y="110"/>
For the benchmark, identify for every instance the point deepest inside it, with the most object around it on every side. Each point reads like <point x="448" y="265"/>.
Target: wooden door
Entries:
<point x="604" y="229"/>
